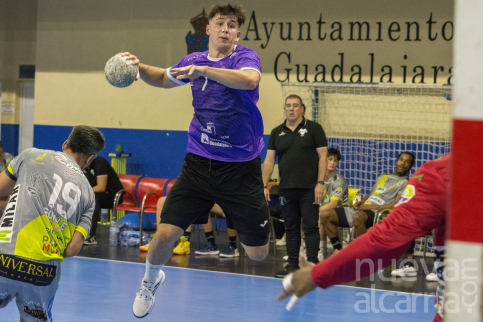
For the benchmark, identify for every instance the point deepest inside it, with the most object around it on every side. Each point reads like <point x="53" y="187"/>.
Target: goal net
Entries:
<point x="370" y="124"/>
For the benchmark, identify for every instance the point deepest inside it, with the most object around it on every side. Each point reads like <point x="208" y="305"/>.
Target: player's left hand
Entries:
<point x="188" y="72"/>
<point x="302" y="282"/>
<point x="319" y="194"/>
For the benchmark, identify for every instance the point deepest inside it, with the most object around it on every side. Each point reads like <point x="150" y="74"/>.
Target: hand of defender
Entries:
<point x="188" y="72"/>
<point x="302" y="282"/>
<point x="134" y="60"/>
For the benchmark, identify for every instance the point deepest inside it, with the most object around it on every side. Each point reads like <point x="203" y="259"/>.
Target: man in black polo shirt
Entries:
<point x="301" y="148"/>
<point x="105" y="183"/>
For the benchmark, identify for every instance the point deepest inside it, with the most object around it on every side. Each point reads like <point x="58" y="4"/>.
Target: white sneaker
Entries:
<point x="407" y="270"/>
<point x="320" y="255"/>
<point x="285" y="258"/>
<point x="432" y="277"/>
<point x="144" y="301"/>
<point x="281" y="242"/>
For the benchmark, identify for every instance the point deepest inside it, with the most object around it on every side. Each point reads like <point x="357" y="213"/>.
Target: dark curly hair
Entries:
<point x="228" y="10"/>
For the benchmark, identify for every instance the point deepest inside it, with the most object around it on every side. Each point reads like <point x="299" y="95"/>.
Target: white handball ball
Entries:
<point x="120" y="72"/>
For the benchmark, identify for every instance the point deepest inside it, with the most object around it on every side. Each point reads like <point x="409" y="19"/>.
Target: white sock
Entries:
<point x="322" y="244"/>
<point x="151" y="272"/>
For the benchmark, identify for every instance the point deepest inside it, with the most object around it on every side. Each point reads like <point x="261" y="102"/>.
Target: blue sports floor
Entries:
<point x="104" y="290"/>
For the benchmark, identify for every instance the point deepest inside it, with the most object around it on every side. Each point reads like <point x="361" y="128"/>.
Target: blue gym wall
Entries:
<point x="10" y="138"/>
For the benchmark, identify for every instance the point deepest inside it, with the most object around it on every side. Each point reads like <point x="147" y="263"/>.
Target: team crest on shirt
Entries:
<point x="302" y="132"/>
<point x="210" y="127"/>
<point x="281" y="133"/>
<point x="408" y="194"/>
<point x="338" y="192"/>
<point x="43" y="158"/>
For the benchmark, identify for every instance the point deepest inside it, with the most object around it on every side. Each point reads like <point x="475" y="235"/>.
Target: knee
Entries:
<point x="258" y="257"/>
<point x="168" y="234"/>
<point x="257" y="253"/>
<point x="358" y="219"/>
<point x="324" y="217"/>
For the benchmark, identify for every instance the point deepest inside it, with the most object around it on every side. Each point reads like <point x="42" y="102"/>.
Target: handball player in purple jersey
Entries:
<point x="223" y="165"/>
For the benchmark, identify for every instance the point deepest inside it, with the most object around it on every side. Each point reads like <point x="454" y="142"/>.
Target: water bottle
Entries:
<point x="113" y="232"/>
<point x="104" y="216"/>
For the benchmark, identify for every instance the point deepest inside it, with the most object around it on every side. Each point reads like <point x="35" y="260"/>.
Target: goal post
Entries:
<point x="464" y="244"/>
<point x="370" y="124"/>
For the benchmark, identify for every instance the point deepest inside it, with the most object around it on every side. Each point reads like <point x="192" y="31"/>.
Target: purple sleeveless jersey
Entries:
<point x="227" y="125"/>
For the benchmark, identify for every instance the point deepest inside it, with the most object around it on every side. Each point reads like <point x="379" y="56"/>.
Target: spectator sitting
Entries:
<point x="385" y="195"/>
<point x="105" y="183"/>
<point x="210" y="248"/>
<point x="336" y="192"/>
<point x="5" y="158"/>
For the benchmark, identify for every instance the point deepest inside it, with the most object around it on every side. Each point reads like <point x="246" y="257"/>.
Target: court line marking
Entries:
<point x="272" y="278"/>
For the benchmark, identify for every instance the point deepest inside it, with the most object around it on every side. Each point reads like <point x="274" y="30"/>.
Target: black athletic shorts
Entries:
<point x="202" y="220"/>
<point x="237" y="187"/>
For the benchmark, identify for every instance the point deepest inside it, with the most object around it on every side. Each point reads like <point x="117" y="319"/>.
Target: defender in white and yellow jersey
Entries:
<point x="47" y="218"/>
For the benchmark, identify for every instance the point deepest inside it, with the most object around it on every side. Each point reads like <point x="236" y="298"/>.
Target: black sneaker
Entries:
<point x="91" y="240"/>
<point x="286" y="270"/>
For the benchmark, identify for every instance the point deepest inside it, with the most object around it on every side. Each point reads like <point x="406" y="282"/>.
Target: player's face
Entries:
<point x="294" y="111"/>
<point x="223" y="32"/>
<point x="403" y="164"/>
<point x="332" y="163"/>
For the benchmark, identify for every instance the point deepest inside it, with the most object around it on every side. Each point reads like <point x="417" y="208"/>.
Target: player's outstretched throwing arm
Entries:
<point x="421" y="210"/>
<point x="154" y="76"/>
<point x="246" y="79"/>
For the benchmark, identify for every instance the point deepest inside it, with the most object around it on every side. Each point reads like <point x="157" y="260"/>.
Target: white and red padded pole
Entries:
<point x="464" y="244"/>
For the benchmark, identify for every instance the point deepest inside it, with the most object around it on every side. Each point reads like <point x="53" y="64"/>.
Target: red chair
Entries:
<point x="129" y="199"/>
<point x="149" y="191"/>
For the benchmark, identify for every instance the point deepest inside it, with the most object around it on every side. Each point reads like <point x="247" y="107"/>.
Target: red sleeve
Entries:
<point x="421" y="209"/>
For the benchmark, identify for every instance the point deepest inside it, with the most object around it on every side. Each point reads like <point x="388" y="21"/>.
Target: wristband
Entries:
<point x="264" y="187"/>
<point x="321" y="182"/>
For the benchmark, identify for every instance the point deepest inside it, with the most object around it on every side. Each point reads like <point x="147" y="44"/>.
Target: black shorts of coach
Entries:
<point x="237" y="187"/>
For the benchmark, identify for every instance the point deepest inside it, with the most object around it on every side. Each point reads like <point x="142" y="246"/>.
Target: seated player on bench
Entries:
<point x="385" y="195"/>
<point x="336" y="192"/>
